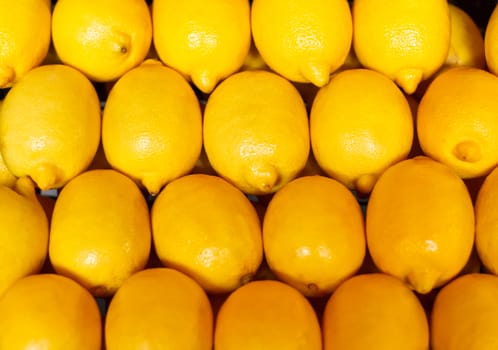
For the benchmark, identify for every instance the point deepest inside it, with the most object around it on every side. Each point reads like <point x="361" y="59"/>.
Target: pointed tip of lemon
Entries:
<point x="7" y="76"/>
<point x="25" y="186"/>
<point x="204" y="80"/>
<point x="408" y="79"/>
<point x="152" y="183"/>
<point x="316" y="73"/>
<point x="45" y="176"/>
<point x="467" y="151"/>
<point x="423" y="281"/>
<point x="365" y="183"/>
<point x="262" y="178"/>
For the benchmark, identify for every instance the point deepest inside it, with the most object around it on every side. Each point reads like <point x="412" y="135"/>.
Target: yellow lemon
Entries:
<point x="406" y="40"/>
<point x="100" y="231"/>
<point x="49" y="311"/>
<point x="6" y="177"/>
<point x="374" y="311"/>
<point x="50" y="125"/>
<point x="420" y="223"/>
<point x="267" y="315"/>
<point x="159" y="308"/>
<point x="491" y="42"/>
<point x="466" y="40"/>
<point x="25" y="34"/>
<point x="304" y="41"/>
<point x="205" y="227"/>
<point x="464" y="314"/>
<point x="313" y="234"/>
<point x="102" y="38"/>
<point x="24" y="233"/>
<point x="256" y="132"/>
<point x="205" y="41"/>
<point x="487" y="222"/>
<point x="456" y="121"/>
<point x="152" y="125"/>
<point x="360" y="124"/>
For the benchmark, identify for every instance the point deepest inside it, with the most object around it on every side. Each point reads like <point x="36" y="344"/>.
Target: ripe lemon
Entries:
<point x="256" y="132"/>
<point x="420" y="223"/>
<point x="406" y="40"/>
<point x="100" y="231"/>
<point x="6" y="177"/>
<point x="152" y="125"/>
<point x="304" y="41"/>
<point x="50" y="125"/>
<point x="313" y="234"/>
<point x="456" y="121"/>
<point x="487" y="222"/>
<point x="374" y="311"/>
<point x="173" y="312"/>
<point x="466" y="40"/>
<point x="24" y="233"/>
<point x="25" y="37"/>
<point x="491" y="42"/>
<point x="49" y="311"/>
<point x="464" y="314"/>
<point x="102" y="38"/>
<point x="205" y="41"/>
<point x="205" y="227"/>
<point x="267" y="315"/>
<point x="360" y="124"/>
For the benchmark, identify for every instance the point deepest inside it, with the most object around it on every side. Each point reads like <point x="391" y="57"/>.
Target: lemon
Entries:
<point x="205" y="41"/>
<point x="304" y="41"/>
<point x="6" y="177"/>
<point x="49" y="311"/>
<point x="206" y="228"/>
<point x="174" y="313"/>
<point x="456" y="121"/>
<point x="25" y="33"/>
<point x="152" y="125"/>
<point x="24" y="234"/>
<point x="463" y="314"/>
<point x="360" y="124"/>
<point x="490" y="42"/>
<point x="420" y="223"/>
<point x="374" y="311"/>
<point x="314" y="234"/>
<point x="466" y="40"/>
<point x="256" y="132"/>
<point x="100" y="231"/>
<point x="50" y="125"/>
<point x="487" y="222"/>
<point x="102" y="38"/>
<point x="406" y="40"/>
<point x="267" y="315"/>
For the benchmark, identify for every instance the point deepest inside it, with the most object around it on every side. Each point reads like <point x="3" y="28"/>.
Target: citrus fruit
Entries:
<point x="266" y="315"/>
<point x="256" y="132"/>
<point x="406" y="40"/>
<point x="6" y="177"/>
<point x="313" y="234"/>
<point x="25" y="37"/>
<point x="101" y="38"/>
<point x="460" y="105"/>
<point x="205" y="41"/>
<point x="24" y="233"/>
<point x="487" y="222"/>
<point x="304" y="41"/>
<point x="360" y="124"/>
<point x="464" y="314"/>
<point x="420" y="223"/>
<point x="208" y="229"/>
<point x="174" y="313"/>
<point x="490" y="42"/>
<point x="49" y="311"/>
<point x="152" y="125"/>
<point x="50" y="125"/>
<point x="100" y="231"/>
<point x="374" y="311"/>
<point x="466" y="40"/>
